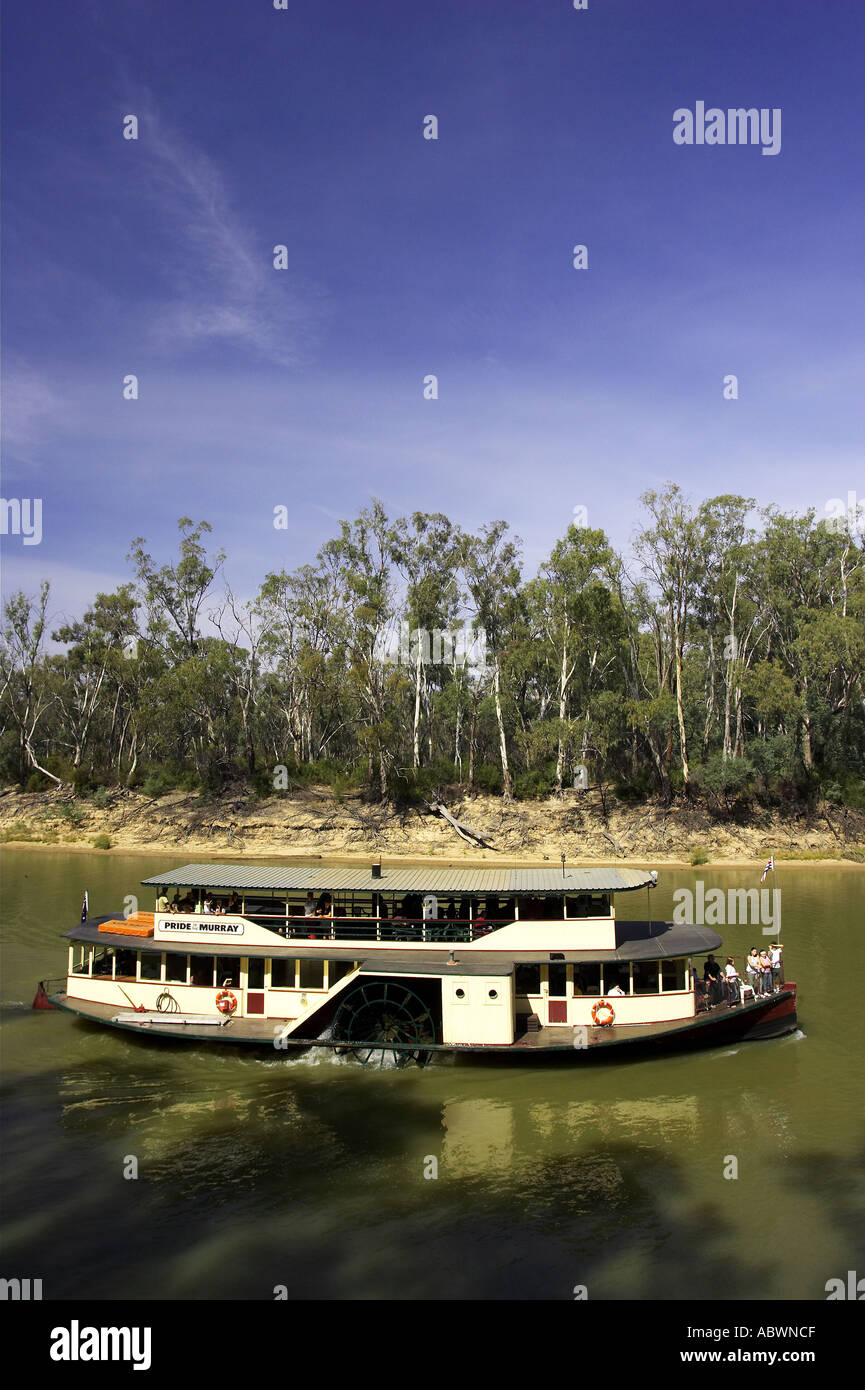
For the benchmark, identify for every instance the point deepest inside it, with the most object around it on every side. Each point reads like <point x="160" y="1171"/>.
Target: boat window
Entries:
<point x="201" y="973"/>
<point x="255" y="973"/>
<point x="228" y="968"/>
<point x="81" y="960"/>
<point x="528" y="979"/>
<point x="175" y="968"/>
<point x="673" y="974"/>
<point x="125" y="968"/>
<point x="151" y="965"/>
<point x="558" y="981"/>
<point x="102" y="962"/>
<point x="645" y="977"/>
<point x="312" y="974"/>
<point x="282" y="974"/>
<point x="339" y="969"/>
<point x="587" y="979"/>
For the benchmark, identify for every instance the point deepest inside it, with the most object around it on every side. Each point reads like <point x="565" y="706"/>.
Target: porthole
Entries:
<point x="494" y="994"/>
<point x="461" y="994"/>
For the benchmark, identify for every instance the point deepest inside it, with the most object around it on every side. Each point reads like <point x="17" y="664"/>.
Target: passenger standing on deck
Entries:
<point x="766" y="969"/>
<point x="309" y="905"/>
<point x="712" y="977"/>
<point x="753" y="970"/>
<point x="775" y="951"/>
<point x="733" y="981"/>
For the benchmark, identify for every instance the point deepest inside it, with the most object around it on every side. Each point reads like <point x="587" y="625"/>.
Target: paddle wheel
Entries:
<point x="384" y="1024"/>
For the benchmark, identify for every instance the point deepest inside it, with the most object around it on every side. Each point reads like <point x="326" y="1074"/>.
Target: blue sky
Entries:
<point x="407" y="256"/>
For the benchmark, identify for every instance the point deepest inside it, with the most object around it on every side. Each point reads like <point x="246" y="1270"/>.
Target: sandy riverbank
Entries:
<point x="313" y="823"/>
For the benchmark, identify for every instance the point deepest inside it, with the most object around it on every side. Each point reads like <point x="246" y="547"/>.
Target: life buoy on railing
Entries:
<point x="226" y="1002"/>
<point x="596" y="1009"/>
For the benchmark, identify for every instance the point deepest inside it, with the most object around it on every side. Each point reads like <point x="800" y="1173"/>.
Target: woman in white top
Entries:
<point x="731" y="975"/>
<point x="752" y="969"/>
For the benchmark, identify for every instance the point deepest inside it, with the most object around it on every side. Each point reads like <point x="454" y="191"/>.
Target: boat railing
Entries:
<point x="405" y="929"/>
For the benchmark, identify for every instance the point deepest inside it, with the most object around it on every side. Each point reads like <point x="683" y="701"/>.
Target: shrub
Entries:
<point x="156" y="785"/>
<point x="488" y="778"/>
<point x="101" y="842"/>
<point x="699" y="856"/>
<point x="531" y="786"/>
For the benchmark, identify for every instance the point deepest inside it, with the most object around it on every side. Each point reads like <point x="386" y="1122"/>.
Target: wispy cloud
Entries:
<point x="221" y="268"/>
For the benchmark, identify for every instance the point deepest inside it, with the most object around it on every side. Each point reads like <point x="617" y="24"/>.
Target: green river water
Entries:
<point x="310" y="1172"/>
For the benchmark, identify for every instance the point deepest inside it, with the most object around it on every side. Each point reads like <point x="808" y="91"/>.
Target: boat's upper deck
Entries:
<point x="634" y="941"/>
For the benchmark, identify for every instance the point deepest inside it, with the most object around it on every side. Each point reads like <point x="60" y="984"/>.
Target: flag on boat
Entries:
<point x="85" y="907"/>
<point x="770" y="867"/>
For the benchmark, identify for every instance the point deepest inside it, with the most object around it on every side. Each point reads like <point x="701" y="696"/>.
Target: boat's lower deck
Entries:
<point x="763" y="1017"/>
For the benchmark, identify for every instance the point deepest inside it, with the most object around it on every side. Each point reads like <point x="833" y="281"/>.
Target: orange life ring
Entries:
<point x="226" y="1002"/>
<point x="596" y="1009"/>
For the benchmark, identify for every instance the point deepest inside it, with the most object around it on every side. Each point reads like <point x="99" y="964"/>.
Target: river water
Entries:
<point x="313" y="1174"/>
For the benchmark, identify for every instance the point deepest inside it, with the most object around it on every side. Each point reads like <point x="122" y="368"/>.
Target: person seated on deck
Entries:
<point x="162" y="902"/>
<point x="480" y="926"/>
<point x="700" y="995"/>
<point x="234" y="904"/>
<point x="187" y="904"/>
<point x="712" y="975"/>
<point x="207" y="907"/>
<point x="733" y="981"/>
<point x="616" y="989"/>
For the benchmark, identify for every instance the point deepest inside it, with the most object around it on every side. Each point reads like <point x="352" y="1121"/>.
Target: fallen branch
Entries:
<point x="474" y="837"/>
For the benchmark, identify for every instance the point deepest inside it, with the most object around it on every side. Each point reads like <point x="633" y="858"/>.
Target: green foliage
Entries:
<point x="101" y="842"/>
<point x="156" y="785"/>
<point x="727" y="662"/>
<point x="534" y="785"/>
<point x="726" y="780"/>
<point x="488" y="778"/>
<point x="699" y="856"/>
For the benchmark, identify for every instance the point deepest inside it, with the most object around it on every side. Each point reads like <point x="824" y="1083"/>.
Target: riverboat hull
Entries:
<point x="758" y="1020"/>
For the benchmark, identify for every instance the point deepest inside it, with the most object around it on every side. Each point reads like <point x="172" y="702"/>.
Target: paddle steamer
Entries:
<point x="393" y="965"/>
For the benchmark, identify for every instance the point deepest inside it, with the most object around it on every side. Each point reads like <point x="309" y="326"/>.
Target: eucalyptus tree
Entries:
<point x="426" y="550"/>
<point x="27" y="690"/>
<point x="672" y="554"/>
<point x="491" y="564"/>
<point x="725" y="605"/>
<point x="90" y="671"/>
<point x="803" y="585"/>
<point x="305" y="652"/>
<point x="579" y="620"/>
<point x="359" y="560"/>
